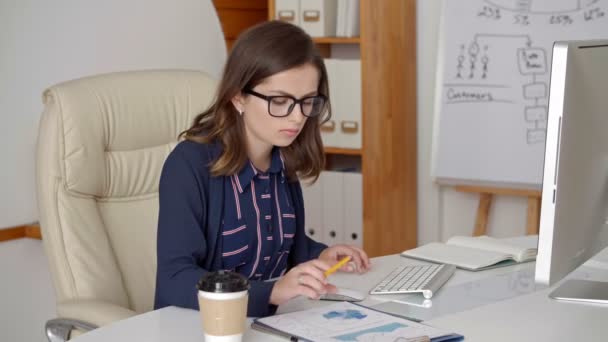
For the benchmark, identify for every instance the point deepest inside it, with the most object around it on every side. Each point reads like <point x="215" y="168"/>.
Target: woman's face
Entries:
<point x="265" y="131"/>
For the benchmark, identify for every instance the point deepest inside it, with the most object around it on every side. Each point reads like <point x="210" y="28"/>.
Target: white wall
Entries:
<point x="45" y="42"/>
<point x="26" y="291"/>
<point x="443" y="212"/>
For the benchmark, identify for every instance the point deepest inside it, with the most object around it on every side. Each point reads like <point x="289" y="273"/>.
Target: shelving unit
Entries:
<point x="390" y="185"/>
<point x="337" y="40"/>
<point x="388" y="155"/>
<point x="343" y="151"/>
<point x="237" y="15"/>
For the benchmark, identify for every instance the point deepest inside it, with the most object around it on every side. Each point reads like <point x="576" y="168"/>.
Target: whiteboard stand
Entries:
<point x="486" y="195"/>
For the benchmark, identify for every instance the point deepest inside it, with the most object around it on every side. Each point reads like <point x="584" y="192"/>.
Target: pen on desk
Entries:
<point x="335" y="267"/>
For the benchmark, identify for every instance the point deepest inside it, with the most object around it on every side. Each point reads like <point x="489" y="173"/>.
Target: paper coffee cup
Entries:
<point x="222" y="299"/>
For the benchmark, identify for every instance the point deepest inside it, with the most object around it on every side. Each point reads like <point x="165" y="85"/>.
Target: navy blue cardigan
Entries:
<point x="189" y="227"/>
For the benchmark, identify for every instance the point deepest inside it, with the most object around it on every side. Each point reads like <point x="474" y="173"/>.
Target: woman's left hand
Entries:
<point x="359" y="258"/>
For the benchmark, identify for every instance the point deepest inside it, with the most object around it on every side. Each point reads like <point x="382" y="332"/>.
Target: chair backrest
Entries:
<point x="102" y="143"/>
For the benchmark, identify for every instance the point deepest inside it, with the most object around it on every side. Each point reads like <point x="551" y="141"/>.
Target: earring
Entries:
<point x="241" y="112"/>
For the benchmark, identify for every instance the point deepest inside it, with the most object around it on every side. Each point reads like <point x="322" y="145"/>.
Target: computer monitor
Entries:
<point x="575" y="179"/>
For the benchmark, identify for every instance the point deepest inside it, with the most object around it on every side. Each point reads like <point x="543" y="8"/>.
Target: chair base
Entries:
<point x="59" y="329"/>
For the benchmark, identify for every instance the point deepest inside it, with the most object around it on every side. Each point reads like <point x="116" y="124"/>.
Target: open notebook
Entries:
<point x="473" y="253"/>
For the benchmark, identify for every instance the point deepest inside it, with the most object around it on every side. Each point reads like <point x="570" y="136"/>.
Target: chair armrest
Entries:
<point x="95" y="312"/>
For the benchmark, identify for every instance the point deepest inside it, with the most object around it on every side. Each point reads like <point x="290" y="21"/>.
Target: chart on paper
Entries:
<point x="347" y="322"/>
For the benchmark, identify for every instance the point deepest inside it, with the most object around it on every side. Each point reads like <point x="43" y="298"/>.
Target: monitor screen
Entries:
<point x="575" y="176"/>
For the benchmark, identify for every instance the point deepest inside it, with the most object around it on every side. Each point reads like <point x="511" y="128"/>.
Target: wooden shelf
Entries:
<point x="347" y="151"/>
<point x="30" y="231"/>
<point x="336" y="40"/>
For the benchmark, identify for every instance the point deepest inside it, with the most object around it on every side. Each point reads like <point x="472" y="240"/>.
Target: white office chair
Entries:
<point x="101" y="146"/>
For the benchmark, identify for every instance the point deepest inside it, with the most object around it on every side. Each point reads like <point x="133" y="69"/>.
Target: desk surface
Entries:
<point x="524" y="317"/>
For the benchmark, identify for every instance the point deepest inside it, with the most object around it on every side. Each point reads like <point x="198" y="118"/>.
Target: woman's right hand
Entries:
<point x="306" y="279"/>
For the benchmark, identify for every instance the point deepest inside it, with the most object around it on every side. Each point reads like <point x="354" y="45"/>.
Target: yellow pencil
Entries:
<point x="335" y="267"/>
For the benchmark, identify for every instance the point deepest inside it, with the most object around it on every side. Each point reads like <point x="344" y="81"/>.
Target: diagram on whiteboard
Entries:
<point x="474" y="65"/>
<point x="493" y="86"/>
<point x="541" y="6"/>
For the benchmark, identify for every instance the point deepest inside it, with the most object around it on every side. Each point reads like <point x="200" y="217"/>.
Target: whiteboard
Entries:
<point x="492" y="90"/>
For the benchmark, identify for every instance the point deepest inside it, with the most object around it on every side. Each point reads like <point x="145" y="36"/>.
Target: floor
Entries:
<point x="27" y="299"/>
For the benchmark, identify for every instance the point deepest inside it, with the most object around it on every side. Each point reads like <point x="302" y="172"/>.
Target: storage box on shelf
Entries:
<point x="320" y="18"/>
<point x="343" y="130"/>
<point x="333" y="208"/>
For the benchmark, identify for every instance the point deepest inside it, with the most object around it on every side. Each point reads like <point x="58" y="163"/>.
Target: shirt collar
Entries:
<point x="248" y="172"/>
<point x="277" y="164"/>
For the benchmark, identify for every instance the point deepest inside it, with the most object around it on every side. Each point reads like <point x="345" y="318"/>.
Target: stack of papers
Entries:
<point x="349" y="322"/>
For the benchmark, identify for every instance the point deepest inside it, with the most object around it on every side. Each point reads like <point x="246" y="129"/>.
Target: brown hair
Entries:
<point x="260" y="52"/>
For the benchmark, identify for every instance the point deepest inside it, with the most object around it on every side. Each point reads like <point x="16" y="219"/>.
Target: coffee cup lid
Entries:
<point x="223" y="282"/>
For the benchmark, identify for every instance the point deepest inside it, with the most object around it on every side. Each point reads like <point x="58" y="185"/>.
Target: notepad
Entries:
<point x="348" y="322"/>
<point x="473" y="253"/>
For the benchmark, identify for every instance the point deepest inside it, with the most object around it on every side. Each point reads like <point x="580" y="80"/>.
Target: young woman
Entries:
<point x="229" y="193"/>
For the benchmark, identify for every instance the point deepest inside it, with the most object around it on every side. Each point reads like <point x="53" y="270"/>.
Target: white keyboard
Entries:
<point x="415" y="278"/>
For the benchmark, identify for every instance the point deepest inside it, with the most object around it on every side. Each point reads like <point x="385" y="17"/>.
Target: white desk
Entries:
<point x="535" y="317"/>
<point x="527" y="317"/>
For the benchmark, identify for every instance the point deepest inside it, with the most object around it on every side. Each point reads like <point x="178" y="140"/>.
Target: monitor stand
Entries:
<point x="579" y="290"/>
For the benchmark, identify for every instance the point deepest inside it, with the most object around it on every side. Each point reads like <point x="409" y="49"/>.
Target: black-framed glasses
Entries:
<point x="282" y="105"/>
